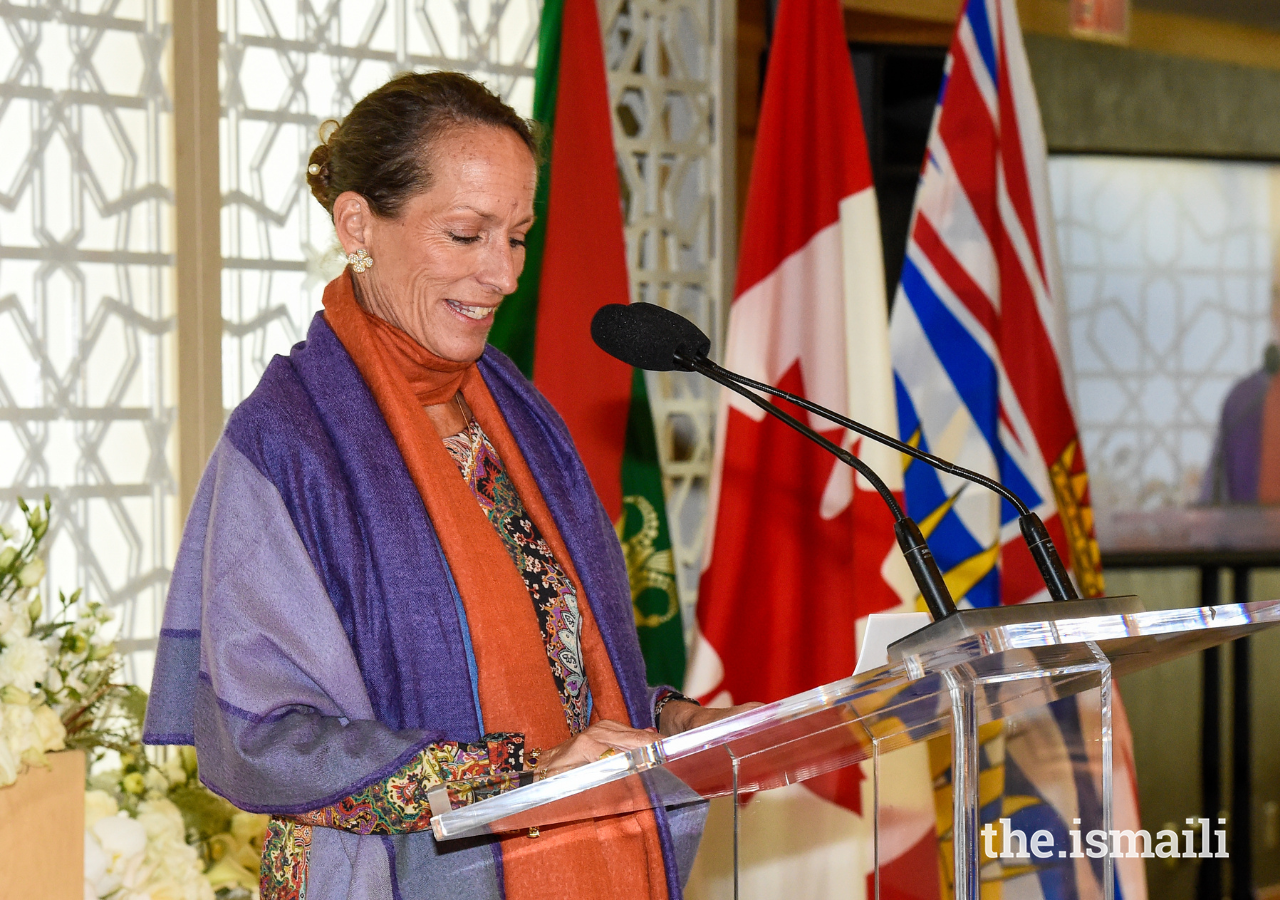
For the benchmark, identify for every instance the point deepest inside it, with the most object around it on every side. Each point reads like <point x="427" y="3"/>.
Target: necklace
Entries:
<point x="468" y="422"/>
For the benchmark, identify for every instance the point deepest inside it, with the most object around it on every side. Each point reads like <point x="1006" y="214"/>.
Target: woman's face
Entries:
<point x="441" y="267"/>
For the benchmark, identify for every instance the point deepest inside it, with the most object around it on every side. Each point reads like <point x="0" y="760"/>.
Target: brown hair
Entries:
<point x="381" y="149"/>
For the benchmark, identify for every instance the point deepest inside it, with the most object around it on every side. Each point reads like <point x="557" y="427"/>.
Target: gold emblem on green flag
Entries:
<point x="652" y="572"/>
<point x="646" y="544"/>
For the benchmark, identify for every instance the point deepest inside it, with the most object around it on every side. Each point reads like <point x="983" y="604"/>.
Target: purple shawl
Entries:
<point x="313" y="639"/>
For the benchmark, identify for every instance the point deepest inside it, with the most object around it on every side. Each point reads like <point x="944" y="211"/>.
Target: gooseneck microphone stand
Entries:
<point x="924" y="568"/>
<point x="653" y="338"/>
<point x="1033" y="531"/>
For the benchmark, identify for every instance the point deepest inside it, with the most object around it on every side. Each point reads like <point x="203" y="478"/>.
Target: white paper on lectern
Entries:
<point x="882" y="630"/>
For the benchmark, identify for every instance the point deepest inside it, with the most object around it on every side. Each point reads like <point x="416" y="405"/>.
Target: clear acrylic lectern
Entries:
<point x="951" y="679"/>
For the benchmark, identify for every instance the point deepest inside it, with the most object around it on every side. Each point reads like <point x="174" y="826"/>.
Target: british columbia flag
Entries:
<point x="975" y="333"/>
<point x="979" y="354"/>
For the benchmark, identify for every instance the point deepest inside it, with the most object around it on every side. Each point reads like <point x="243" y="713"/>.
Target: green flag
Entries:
<point x="646" y="544"/>
<point x="515" y="321"/>
<point x="575" y="262"/>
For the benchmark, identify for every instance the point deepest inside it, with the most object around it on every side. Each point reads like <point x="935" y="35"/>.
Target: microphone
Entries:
<point x="648" y="336"/>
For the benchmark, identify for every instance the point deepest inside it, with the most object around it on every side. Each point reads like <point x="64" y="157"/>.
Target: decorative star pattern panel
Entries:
<point x="664" y="77"/>
<point x="86" y="308"/>
<point x="1168" y="266"/>
<point x="287" y="65"/>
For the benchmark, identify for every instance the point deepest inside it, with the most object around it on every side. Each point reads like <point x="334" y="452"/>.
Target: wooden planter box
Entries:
<point x="42" y="832"/>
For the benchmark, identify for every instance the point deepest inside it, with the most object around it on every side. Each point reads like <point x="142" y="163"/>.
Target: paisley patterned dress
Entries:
<point x="554" y="598"/>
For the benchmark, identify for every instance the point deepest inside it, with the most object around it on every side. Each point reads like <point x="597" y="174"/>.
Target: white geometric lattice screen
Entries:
<point x="1168" y="267"/>
<point x="664" y="60"/>
<point x="287" y="65"/>
<point x="86" y="313"/>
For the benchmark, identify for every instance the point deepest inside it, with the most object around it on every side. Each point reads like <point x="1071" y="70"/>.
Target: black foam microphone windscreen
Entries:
<point x="647" y="336"/>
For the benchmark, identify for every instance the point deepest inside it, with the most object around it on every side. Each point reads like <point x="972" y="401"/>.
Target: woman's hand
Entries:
<point x="591" y="744"/>
<point x="681" y="715"/>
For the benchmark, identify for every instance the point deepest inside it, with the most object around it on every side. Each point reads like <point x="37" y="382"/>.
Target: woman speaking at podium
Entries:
<point x="396" y="573"/>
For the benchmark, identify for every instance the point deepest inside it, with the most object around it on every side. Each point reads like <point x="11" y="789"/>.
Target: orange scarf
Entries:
<point x="616" y="857"/>
<point x="431" y="379"/>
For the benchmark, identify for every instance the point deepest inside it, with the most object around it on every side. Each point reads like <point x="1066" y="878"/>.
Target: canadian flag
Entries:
<point x="800" y="549"/>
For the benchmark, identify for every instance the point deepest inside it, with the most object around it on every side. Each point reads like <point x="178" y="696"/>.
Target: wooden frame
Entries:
<point x="197" y="240"/>
<point x="1157" y="32"/>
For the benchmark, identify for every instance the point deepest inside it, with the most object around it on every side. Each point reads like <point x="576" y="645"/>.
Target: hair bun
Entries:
<point x="318" y="175"/>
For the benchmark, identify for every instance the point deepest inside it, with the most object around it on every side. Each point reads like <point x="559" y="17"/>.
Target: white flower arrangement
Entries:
<point x="151" y="829"/>
<point x="210" y="844"/>
<point x="29" y="725"/>
<point x="142" y="858"/>
<point x="57" y="667"/>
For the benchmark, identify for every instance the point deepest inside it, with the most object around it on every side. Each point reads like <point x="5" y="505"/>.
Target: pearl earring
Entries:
<point x="360" y="260"/>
